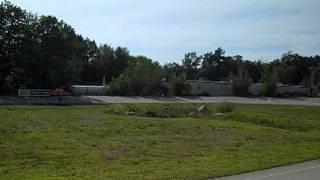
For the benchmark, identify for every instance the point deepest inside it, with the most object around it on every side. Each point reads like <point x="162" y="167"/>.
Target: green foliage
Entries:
<point x="269" y="88"/>
<point x="110" y="63"/>
<point x="190" y="65"/>
<point x="45" y="52"/>
<point x="314" y="78"/>
<point x="14" y="23"/>
<point x="293" y="68"/>
<point x="173" y="110"/>
<point x="173" y="70"/>
<point x="145" y="76"/>
<point x="225" y="107"/>
<point x="120" y="86"/>
<point x="135" y="82"/>
<point x="40" y="142"/>
<point x="241" y="83"/>
<point x="37" y="55"/>
<point x="212" y="65"/>
<point x="204" y="93"/>
<point x="269" y="82"/>
<point x="180" y="87"/>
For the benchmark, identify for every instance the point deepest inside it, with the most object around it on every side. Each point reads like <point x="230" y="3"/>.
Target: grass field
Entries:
<point x="101" y="142"/>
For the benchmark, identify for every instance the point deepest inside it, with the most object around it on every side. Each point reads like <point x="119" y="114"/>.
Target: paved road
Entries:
<point x="109" y="99"/>
<point x="304" y="171"/>
<point x="286" y="101"/>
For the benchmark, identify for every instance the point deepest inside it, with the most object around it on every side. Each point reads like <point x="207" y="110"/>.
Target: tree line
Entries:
<point x="45" y="52"/>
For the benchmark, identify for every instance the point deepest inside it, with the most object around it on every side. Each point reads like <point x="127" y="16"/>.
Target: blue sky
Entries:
<point x="165" y="30"/>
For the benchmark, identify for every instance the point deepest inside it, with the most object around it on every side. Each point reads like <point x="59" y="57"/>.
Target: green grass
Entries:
<point x="100" y="142"/>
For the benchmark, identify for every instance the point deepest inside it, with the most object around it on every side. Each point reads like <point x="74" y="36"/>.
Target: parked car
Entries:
<point x="59" y="92"/>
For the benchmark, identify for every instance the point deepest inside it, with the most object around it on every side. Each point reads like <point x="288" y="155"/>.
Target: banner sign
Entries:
<point x="33" y="92"/>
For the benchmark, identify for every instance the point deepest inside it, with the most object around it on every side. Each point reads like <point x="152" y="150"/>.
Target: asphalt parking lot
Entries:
<point x="69" y="100"/>
<point x="304" y="171"/>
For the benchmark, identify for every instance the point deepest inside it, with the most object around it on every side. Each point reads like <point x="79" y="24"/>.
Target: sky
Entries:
<point x="165" y="30"/>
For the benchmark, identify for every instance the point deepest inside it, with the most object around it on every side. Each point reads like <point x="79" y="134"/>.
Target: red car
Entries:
<point x="59" y="92"/>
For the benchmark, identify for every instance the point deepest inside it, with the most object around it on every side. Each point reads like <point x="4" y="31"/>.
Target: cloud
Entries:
<point x="165" y="30"/>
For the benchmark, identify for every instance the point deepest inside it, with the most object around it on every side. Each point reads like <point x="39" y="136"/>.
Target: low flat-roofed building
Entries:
<point x="88" y="90"/>
<point x="211" y="88"/>
<point x="224" y="88"/>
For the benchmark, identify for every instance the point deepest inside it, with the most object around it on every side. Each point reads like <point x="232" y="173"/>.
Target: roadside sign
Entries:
<point x="33" y="92"/>
<point x="23" y="92"/>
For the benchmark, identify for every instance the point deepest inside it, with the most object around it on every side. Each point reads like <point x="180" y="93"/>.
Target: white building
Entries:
<point x="88" y="90"/>
<point x="222" y="88"/>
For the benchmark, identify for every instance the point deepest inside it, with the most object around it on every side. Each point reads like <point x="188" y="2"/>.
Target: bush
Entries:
<point x="145" y="77"/>
<point x="141" y="78"/>
<point x="120" y="86"/>
<point x="204" y="93"/>
<point x="269" y="88"/>
<point x="180" y="87"/>
<point x="241" y="83"/>
<point x="269" y="83"/>
<point x="224" y="107"/>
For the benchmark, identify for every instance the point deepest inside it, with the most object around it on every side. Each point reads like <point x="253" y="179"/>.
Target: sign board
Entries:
<point x="23" y="92"/>
<point x="33" y="92"/>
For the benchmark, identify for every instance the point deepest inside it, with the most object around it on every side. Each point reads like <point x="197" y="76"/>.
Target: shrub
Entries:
<point x="140" y="79"/>
<point x="241" y="83"/>
<point x="269" y="87"/>
<point x="204" y="93"/>
<point x="269" y="83"/>
<point x="120" y="86"/>
<point x="224" y="107"/>
<point x="145" y="77"/>
<point x="180" y="87"/>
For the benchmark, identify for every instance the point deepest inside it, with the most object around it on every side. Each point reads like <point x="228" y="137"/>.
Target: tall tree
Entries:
<point x="215" y="66"/>
<point x="105" y="61"/>
<point x="190" y="65"/>
<point x="90" y="70"/>
<point x="58" y="54"/>
<point x="173" y="70"/>
<point x="293" y="68"/>
<point x="121" y="60"/>
<point x="13" y="26"/>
